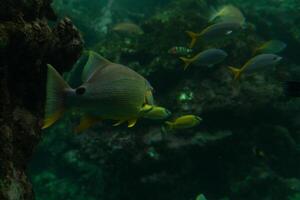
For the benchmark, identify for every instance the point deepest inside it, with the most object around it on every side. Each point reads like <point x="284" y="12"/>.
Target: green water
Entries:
<point x="246" y="147"/>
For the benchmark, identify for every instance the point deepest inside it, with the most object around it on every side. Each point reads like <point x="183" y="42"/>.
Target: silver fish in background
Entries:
<point x="272" y="46"/>
<point x="109" y="91"/>
<point x="227" y="13"/>
<point x="255" y="64"/>
<point x="213" y="32"/>
<point x="208" y="58"/>
<point x="128" y="27"/>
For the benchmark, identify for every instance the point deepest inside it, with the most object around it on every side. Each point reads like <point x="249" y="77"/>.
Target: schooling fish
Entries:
<point x="255" y="64"/>
<point x="184" y="122"/>
<point x="180" y="51"/>
<point x="292" y="88"/>
<point x="272" y="46"/>
<point x="127" y="27"/>
<point x="208" y="58"/>
<point x="214" y="31"/>
<point x="109" y="91"/>
<point x="157" y="113"/>
<point x="227" y="13"/>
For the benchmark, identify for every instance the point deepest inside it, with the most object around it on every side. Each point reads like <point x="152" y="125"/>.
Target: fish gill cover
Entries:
<point x="223" y="129"/>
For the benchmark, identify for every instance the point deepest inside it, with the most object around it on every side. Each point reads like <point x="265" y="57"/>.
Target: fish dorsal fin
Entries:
<point x="95" y="62"/>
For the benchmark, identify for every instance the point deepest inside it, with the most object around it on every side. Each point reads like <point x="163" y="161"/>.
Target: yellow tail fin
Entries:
<point x="194" y="37"/>
<point x="55" y="99"/>
<point x="186" y="61"/>
<point x="236" y="72"/>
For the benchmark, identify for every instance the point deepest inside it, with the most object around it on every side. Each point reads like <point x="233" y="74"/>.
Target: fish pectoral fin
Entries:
<point x="85" y="123"/>
<point x="119" y="122"/>
<point x="131" y="122"/>
<point x="146" y="108"/>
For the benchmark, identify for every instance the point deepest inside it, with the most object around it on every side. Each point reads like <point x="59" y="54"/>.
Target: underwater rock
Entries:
<point x="27" y="43"/>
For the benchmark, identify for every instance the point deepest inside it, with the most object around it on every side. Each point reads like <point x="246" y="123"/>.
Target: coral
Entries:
<point x="27" y="43"/>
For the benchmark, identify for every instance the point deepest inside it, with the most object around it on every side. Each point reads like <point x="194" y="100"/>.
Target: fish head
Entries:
<point x="198" y="119"/>
<point x="274" y="59"/>
<point x="224" y="54"/>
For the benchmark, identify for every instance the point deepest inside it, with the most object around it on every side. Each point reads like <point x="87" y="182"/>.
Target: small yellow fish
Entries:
<point x="184" y="122"/>
<point x="157" y="113"/>
<point x="257" y="63"/>
<point x="227" y="13"/>
<point x="272" y="46"/>
<point x="127" y="27"/>
<point x="214" y="32"/>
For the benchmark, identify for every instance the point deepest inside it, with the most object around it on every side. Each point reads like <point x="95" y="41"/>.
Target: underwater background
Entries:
<point x="247" y="144"/>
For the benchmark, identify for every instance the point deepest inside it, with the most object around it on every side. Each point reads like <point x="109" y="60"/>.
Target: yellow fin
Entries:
<point x="55" y="97"/>
<point x="186" y="61"/>
<point x="119" y="122"/>
<point x="146" y="108"/>
<point x="236" y="72"/>
<point x="131" y="122"/>
<point x="53" y="118"/>
<point x="194" y="37"/>
<point x="85" y="123"/>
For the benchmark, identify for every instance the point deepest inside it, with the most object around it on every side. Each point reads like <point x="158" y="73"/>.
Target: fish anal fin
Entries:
<point x="131" y="122"/>
<point x="94" y="63"/>
<point x="86" y="122"/>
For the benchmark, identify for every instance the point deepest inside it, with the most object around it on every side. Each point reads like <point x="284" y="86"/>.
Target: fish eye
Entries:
<point x="80" y="90"/>
<point x="275" y="58"/>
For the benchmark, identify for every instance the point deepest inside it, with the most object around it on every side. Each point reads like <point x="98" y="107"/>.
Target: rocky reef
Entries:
<point x="247" y="146"/>
<point x="27" y="43"/>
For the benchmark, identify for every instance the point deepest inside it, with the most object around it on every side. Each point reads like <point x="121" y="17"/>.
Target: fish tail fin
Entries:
<point x="236" y="72"/>
<point x="194" y="37"/>
<point x="55" y="98"/>
<point x="292" y="88"/>
<point x="186" y="61"/>
<point x="213" y="14"/>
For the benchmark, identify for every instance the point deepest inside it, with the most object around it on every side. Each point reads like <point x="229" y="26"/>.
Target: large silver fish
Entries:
<point x="257" y="63"/>
<point x="207" y="57"/>
<point x="214" y="32"/>
<point x="109" y="91"/>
